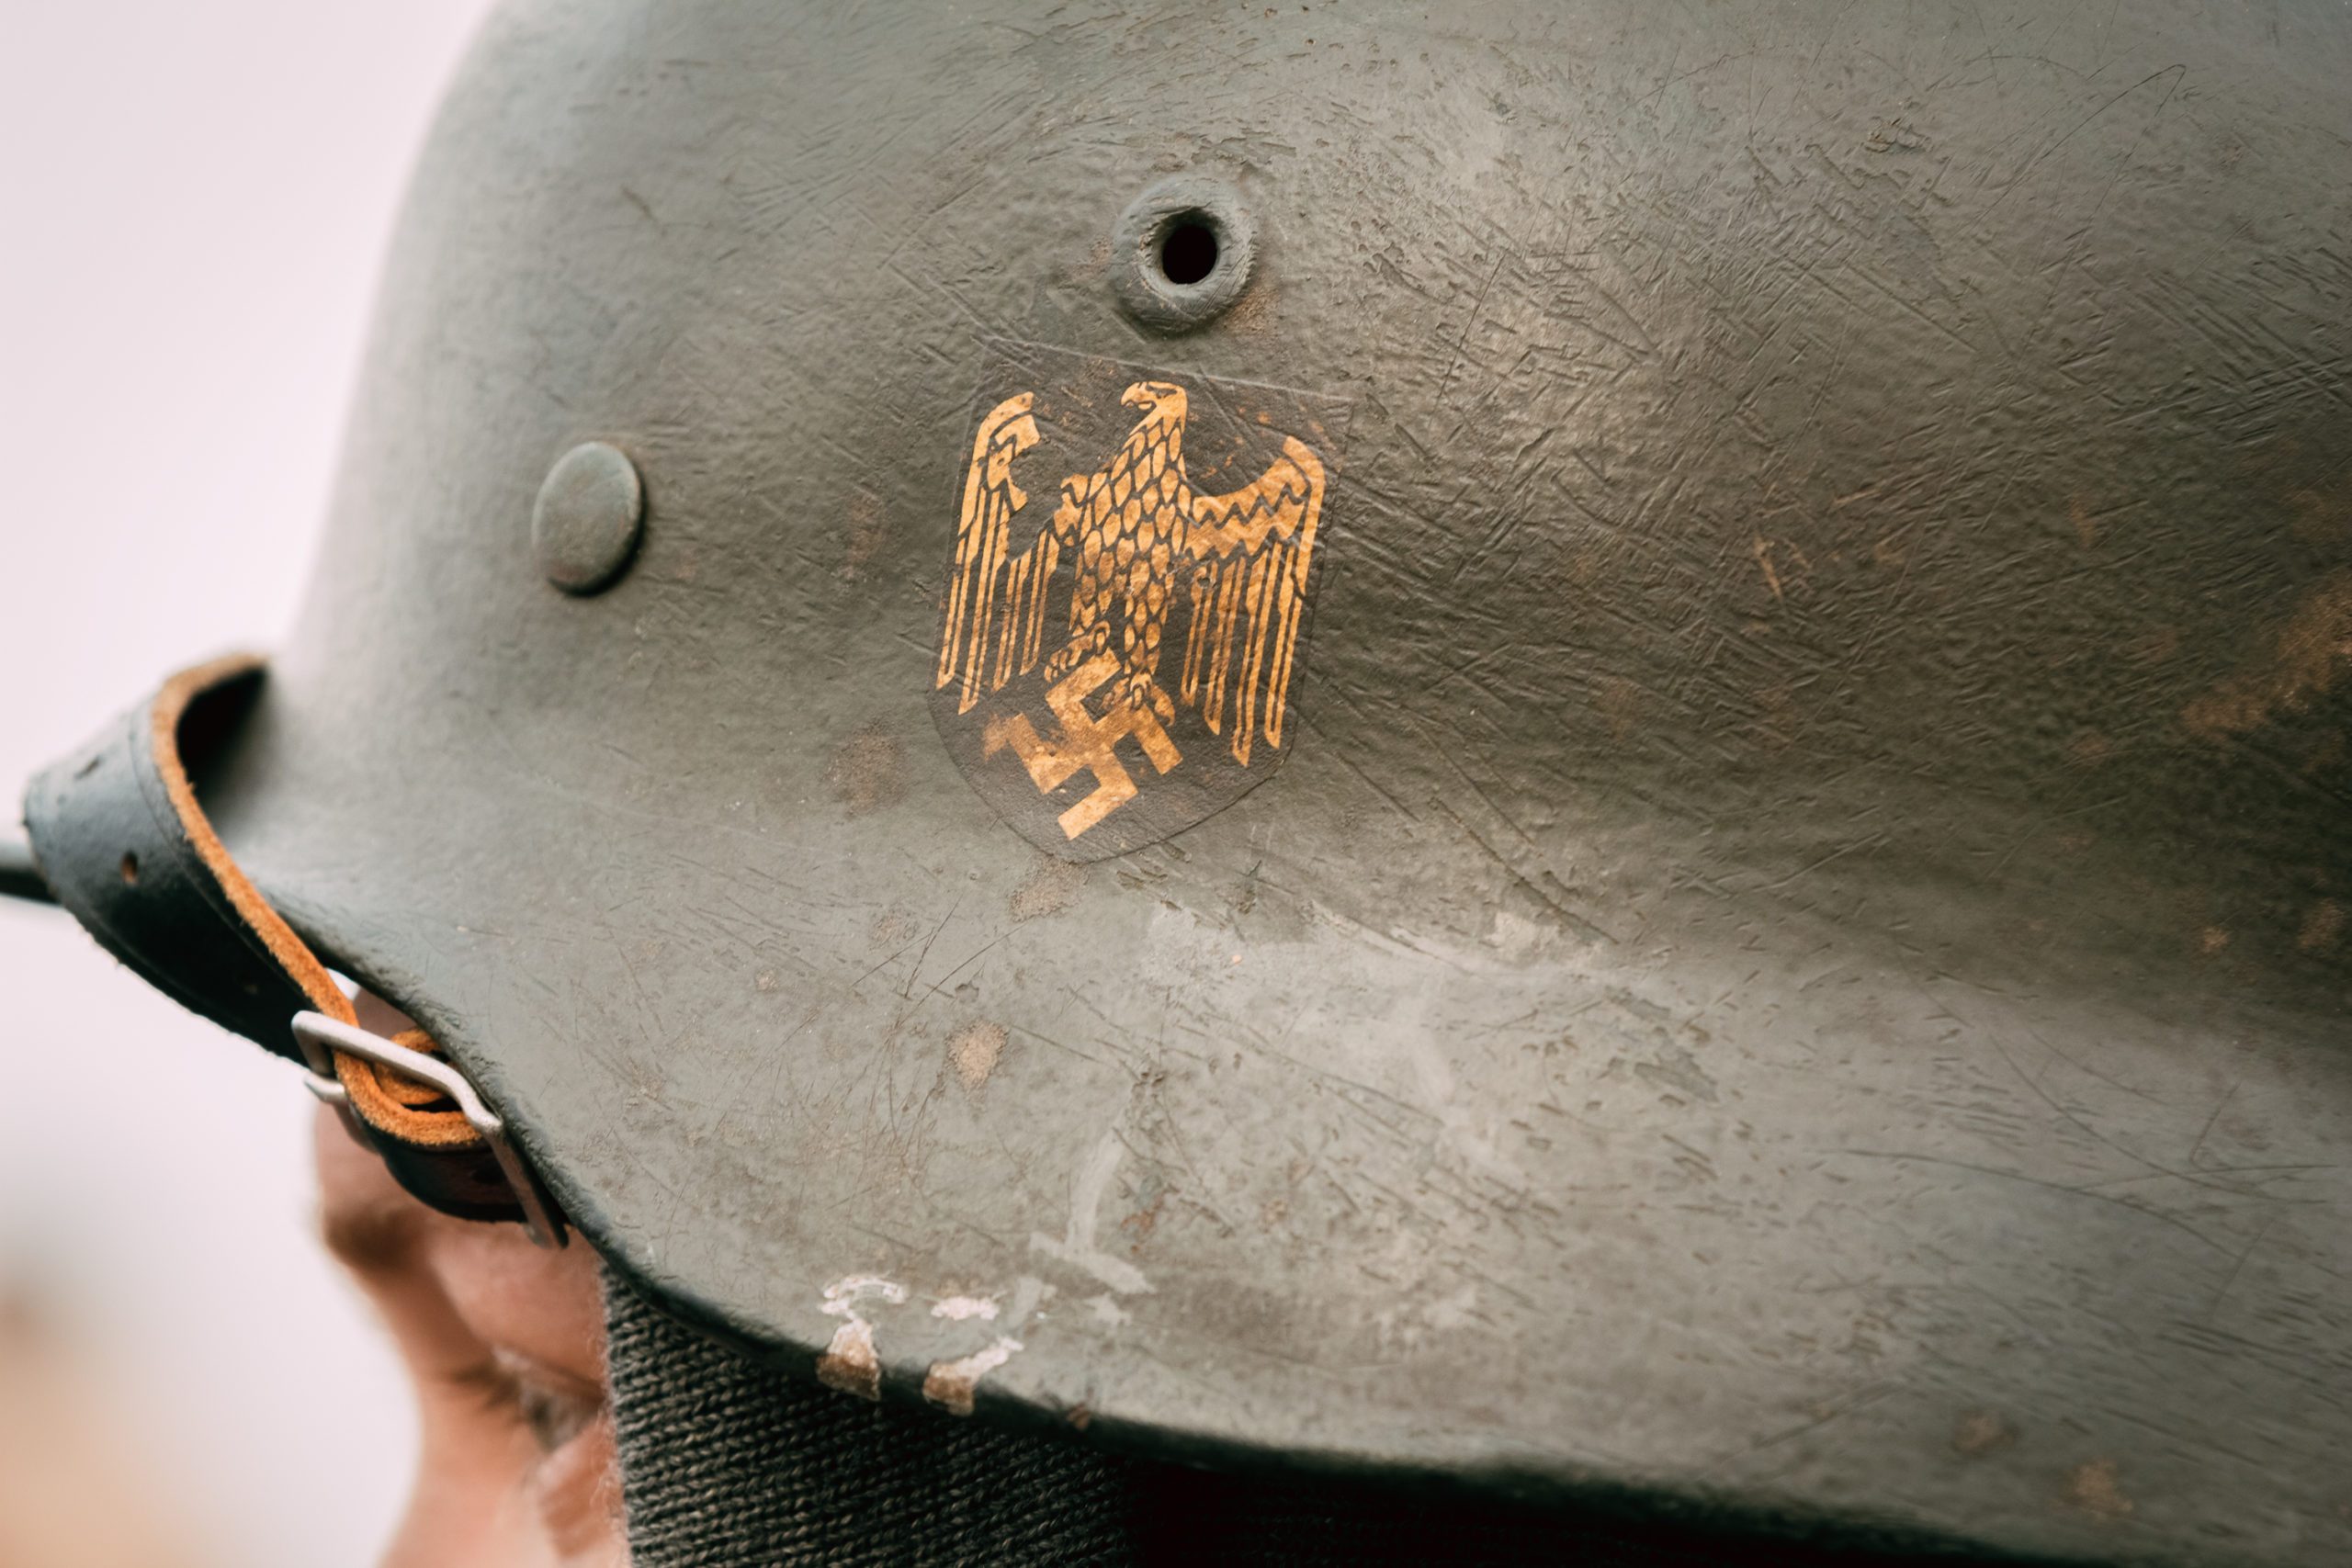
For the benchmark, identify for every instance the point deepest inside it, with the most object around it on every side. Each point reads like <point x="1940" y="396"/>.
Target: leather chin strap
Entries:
<point x="126" y="848"/>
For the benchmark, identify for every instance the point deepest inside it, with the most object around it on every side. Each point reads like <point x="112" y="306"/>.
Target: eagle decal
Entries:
<point x="1143" y="609"/>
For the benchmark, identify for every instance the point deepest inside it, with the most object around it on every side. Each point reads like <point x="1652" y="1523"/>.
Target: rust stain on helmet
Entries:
<point x="2304" y="660"/>
<point x="2094" y="1489"/>
<point x="869" y="772"/>
<point x="973" y="1052"/>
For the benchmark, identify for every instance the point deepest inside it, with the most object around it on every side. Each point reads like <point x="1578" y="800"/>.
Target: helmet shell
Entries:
<point x="1796" y="955"/>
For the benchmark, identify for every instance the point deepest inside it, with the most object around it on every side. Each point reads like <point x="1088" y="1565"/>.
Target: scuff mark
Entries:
<point x="950" y="1384"/>
<point x="2078" y="513"/>
<point x="1076" y="1245"/>
<point x="2092" y="1488"/>
<point x="1047" y="889"/>
<point x="1406" y="1326"/>
<point x="1254" y="312"/>
<point x="1894" y="136"/>
<point x="1465" y="1132"/>
<point x="1782" y="584"/>
<point x="973" y="1051"/>
<point x="1107" y="1310"/>
<point x="1146" y="1219"/>
<point x="1514" y="935"/>
<point x="1676" y="1068"/>
<point x="843" y="1294"/>
<point x="869" y="531"/>
<point x="1982" y="1432"/>
<point x="2091" y="748"/>
<point x="1619" y="701"/>
<point x="1764" y="560"/>
<point x="869" y="772"/>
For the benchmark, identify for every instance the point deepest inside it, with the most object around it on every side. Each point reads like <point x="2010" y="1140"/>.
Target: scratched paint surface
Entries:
<point x="1798" y="957"/>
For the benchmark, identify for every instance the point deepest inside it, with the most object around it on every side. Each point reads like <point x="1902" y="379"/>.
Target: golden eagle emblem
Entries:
<point x="1141" y="598"/>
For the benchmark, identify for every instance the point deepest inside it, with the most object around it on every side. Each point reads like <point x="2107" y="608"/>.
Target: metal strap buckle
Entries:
<point x="320" y="1036"/>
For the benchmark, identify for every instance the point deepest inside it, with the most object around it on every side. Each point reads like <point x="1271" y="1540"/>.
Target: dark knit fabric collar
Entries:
<point x="727" y="1463"/>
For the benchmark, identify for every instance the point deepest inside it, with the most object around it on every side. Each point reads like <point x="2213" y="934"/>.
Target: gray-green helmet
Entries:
<point x="1786" y="575"/>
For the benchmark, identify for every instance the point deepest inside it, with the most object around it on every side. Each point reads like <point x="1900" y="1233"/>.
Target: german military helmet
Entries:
<point x="1575" y="750"/>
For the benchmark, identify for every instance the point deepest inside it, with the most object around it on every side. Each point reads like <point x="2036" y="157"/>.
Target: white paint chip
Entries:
<point x="958" y="1309"/>
<point x="850" y="1363"/>
<point x="1076" y="1245"/>
<point x="950" y="1384"/>
<point x="843" y="1295"/>
<point x="1117" y="1272"/>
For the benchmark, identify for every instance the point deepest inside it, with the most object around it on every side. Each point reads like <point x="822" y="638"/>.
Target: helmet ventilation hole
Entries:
<point x="1184" y="251"/>
<point x="1188" y="251"/>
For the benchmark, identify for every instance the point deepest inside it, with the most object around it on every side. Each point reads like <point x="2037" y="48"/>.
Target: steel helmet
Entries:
<point x="1587" y="748"/>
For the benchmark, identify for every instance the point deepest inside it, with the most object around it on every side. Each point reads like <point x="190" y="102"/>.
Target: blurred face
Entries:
<point x="504" y="1344"/>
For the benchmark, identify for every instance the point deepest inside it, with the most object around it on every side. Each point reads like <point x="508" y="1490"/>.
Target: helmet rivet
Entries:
<point x="585" y="521"/>
<point x="1182" y="253"/>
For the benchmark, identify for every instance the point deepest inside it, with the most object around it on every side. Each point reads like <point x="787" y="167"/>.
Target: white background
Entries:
<point x="196" y="200"/>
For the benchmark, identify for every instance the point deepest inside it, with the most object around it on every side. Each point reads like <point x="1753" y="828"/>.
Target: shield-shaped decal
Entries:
<point x="1126" y="609"/>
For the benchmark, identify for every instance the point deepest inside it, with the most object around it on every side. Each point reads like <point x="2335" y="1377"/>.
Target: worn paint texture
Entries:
<point x="1794" y="964"/>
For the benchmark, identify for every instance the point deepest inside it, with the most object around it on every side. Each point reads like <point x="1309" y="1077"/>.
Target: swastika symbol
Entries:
<point x="1085" y="743"/>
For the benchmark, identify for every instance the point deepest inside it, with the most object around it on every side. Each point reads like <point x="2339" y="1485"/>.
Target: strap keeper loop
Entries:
<point x="320" y="1037"/>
